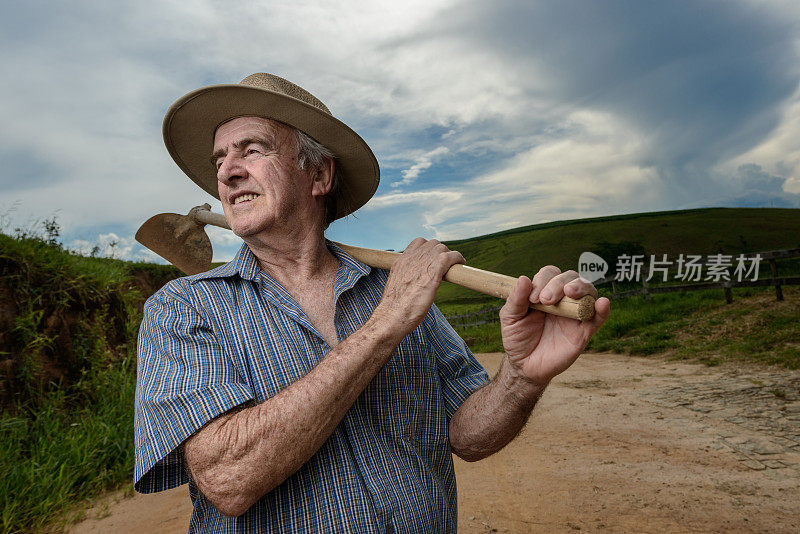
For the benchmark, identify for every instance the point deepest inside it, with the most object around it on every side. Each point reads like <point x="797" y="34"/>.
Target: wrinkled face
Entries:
<point x="260" y="185"/>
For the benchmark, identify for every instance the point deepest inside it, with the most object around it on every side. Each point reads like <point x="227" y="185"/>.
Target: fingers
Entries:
<point x="413" y="281"/>
<point x="550" y="285"/>
<point x="445" y="258"/>
<point x="436" y="257"/>
<point x="415" y="244"/>
<point x="540" y="280"/>
<point x="449" y="259"/>
<point x="578" y="288"/>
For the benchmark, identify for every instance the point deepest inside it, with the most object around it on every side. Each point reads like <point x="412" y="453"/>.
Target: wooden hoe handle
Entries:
<point x="486" y="282"/>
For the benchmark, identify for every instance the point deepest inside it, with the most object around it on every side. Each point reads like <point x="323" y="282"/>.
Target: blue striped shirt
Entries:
<point x="213" y="341"/>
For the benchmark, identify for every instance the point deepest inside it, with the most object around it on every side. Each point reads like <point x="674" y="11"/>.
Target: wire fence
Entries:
<point x="477" y="318"/>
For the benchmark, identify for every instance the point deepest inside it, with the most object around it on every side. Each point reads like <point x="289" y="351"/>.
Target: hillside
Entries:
<point x="698" y="325"/>
<point x="68" y="327"/>
<point x="700" y="231"/>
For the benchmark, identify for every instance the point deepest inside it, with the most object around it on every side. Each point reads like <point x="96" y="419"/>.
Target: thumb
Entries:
<point x="517" y="303"/>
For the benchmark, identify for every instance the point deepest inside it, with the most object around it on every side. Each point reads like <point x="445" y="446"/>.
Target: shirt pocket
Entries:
<point x="411" y="392"/>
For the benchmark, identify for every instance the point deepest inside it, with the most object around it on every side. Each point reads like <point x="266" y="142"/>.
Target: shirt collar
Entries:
<point x="347" y="260"/>
<point x="245" y="264"/>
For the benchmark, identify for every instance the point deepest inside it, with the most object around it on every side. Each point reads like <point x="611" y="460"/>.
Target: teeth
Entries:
<point x="244" y="198"/>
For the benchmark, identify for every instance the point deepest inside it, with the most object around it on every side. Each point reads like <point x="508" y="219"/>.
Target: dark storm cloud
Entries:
<point x="707" y="78"/>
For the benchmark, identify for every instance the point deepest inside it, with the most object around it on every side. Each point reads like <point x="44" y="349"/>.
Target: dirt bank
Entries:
<point x="617" y="444"/>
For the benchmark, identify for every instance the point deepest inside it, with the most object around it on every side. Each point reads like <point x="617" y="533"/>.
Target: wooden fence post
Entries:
<point x="778" y="290"/>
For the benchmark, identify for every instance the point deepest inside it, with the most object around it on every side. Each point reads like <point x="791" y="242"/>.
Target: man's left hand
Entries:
<point x="540" y="345"/>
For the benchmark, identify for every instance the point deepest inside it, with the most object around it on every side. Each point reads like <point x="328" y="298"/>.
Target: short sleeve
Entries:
<point x="183" y="381"/>
<point x="460" y="373"/>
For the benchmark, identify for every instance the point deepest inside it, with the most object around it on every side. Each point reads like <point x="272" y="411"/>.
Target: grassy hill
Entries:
<point x="700" y="231"/>
<point x="697" y="325"/>
<point x="68" y="327"/>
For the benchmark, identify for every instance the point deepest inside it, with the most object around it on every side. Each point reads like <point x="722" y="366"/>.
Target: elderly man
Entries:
<point x="296" y="389"/>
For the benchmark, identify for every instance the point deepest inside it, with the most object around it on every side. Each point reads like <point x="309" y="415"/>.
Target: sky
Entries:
<point x="483" y="115"/>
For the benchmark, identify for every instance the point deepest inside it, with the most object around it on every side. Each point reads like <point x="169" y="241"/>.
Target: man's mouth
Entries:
<point x="244" y="198"/>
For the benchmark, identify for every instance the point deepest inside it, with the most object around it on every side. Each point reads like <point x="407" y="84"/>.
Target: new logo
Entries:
<point x="592" y="267"/>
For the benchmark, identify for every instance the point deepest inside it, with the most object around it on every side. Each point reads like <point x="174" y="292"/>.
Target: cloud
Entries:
<point x="421" y="163"/>
<point x="599" y="109"/>
<point x="598" y="165"/>
<point x="222" y="236"/>
<point x="752" y="186"/>
<point x="111" y="245"/>
<point x="717" y="77"/>
<point x="491" y="114"/>
<point x="427" y="209"/>
<point x="792" y="185"/>
<point x="779" y="152"/>
<point x="418" y="197"/>
<point x="81" y="133"/>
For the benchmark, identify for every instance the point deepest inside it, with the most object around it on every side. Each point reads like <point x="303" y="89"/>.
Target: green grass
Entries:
<point x="757" y="329"/>
<point x="700" y="325"/>
<point x="61" y="453"/>
<point x="68" y="328"/>
<point x="696" y="325"/>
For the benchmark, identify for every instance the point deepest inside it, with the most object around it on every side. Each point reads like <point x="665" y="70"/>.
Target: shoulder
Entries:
<point x="176" y="290"/>
<point x="188" y="291"/>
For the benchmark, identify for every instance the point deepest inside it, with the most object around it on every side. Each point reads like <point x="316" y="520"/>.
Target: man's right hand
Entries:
<point x="413" y="280"/>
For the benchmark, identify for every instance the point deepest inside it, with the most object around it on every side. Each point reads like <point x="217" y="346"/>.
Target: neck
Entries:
<point x="294" y="259"/>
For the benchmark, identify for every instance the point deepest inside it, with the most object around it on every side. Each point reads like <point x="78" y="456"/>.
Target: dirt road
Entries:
<point x="617" y="444"/>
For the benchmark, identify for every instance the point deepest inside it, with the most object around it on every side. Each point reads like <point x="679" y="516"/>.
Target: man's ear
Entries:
<point x="323" y="178"/>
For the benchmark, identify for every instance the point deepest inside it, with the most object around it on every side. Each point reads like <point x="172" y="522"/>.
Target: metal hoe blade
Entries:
<point x="179" y="239"/>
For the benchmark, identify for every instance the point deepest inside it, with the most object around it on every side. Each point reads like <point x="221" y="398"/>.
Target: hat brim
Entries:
<point x="191" y="121"/>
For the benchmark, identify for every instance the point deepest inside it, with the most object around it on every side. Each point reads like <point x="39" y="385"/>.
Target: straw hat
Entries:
<point x="191" y="121"/>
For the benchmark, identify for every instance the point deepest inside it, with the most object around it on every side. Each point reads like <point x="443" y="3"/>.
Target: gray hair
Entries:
<point x="312" y="153"/>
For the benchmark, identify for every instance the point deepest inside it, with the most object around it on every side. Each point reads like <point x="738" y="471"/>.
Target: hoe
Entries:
<point x="182" y="240"/>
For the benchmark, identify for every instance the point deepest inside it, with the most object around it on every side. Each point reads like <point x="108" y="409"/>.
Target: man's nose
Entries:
<point x="232" y="168"/>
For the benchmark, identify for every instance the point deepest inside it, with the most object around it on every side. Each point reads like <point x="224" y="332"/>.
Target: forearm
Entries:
<point x="492" y="416"/>
<point x="238" y="458"/>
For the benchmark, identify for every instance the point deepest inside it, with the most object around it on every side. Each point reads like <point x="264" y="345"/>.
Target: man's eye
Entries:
<point x="252" y="151"/>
